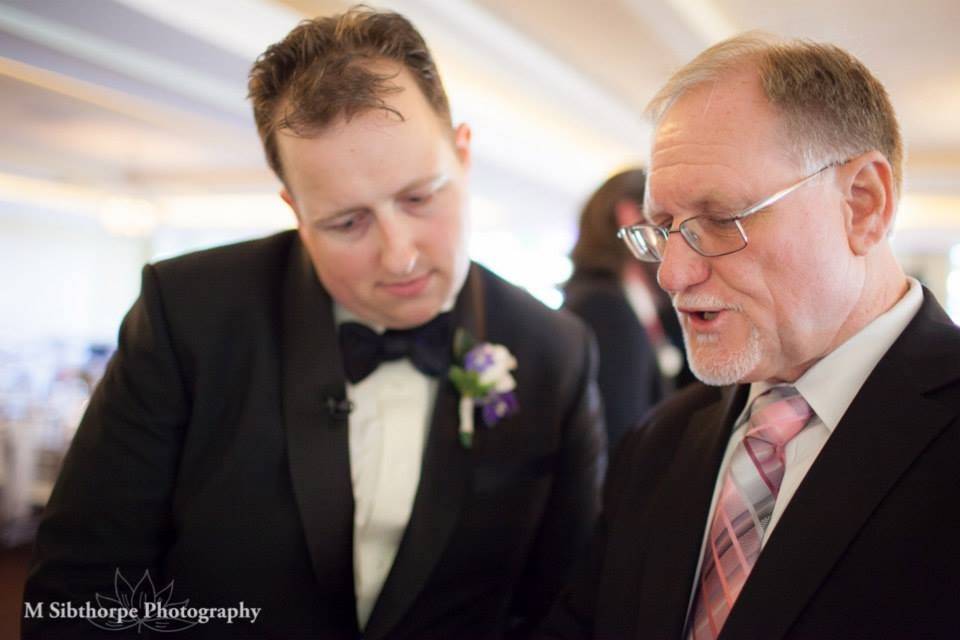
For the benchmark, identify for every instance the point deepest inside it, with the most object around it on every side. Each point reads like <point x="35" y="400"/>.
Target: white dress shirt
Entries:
<point x="391" y="413"/>
<point x="829" y="386"/>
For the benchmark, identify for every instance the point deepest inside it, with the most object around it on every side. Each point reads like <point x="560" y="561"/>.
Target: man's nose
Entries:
<point x="681" y="266"/>
<point x="398" y="251"/>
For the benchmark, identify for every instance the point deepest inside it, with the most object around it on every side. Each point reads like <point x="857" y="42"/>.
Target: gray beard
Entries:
<point x="722" y="369"/>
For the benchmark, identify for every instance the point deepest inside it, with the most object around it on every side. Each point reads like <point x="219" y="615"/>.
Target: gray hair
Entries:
<point x="832" y="107"/>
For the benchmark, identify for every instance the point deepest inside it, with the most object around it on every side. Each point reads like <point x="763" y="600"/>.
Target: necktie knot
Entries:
<point x="778" y="416"/>
<point x="427" y="346"/>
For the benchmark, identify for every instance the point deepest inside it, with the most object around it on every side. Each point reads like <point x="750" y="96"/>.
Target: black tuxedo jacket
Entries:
<point x="208" y="456"/>
<point x="867" y="547"/>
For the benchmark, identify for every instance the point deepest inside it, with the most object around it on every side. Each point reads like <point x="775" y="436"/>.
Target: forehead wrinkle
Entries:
<point x="726" y="195"/>
<point x="692" y="152"/>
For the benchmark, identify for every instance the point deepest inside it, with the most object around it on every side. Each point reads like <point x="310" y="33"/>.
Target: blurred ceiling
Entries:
<point x="145" y="99"/>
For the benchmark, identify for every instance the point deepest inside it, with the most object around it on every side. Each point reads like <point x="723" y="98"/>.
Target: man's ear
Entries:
<point x="627" y="212"/>
<point x="869" y="199"/>
<point x="285" y="195"/>
<point x="461" y="143"/>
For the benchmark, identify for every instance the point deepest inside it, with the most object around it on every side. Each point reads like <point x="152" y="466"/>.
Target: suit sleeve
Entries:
<point x="574" y="613"/>
<point x="110" y="508"/>
<point x="574" y="503"/>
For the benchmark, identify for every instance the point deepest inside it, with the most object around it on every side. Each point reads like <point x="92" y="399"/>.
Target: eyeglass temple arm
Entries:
<point x="783" y="193"/>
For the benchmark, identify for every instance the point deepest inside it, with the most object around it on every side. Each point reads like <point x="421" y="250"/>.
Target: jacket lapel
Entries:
<point x="317" y="438"/>
<point x="887" y="426"/>
<point x="671" y="550"/>
<point x="444" y="478"/>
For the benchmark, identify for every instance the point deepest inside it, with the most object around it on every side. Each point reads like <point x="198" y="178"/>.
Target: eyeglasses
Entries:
<point x="709" y="236"/>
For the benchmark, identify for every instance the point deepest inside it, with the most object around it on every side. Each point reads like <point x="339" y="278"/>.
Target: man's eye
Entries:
<point x="721" y="226"/>
<point x="344" y="224"/>
<point x="419" y="198"/>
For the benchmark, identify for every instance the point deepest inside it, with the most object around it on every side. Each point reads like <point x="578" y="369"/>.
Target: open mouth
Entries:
<point x="703" y="319"/>
<point x="703" y="312"/>
<point x="706" y="315"/>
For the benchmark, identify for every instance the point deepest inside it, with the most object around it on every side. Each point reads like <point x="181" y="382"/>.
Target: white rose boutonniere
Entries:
<point x="484" y="381"/>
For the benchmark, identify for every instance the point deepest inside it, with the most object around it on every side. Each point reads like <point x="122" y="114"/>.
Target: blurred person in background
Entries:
<point x="807" y="489"/>
<point x="634" y="322"/>
<point x="349" y="427"/>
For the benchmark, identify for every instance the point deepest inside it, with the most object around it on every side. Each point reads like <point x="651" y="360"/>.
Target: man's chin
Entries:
<point x="714" y="376"/>
<point x="719" y="369"/>
<point x="411" y="315"/>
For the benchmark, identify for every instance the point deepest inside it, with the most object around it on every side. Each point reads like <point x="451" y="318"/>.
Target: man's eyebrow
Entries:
<point x="433" y="182"/>
<point x="327" y="217"/>
<point x="709" y="204"/>
<point x="713" y="204"/>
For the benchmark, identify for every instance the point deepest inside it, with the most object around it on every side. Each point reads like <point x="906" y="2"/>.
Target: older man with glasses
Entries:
<point x="808" y="488"/>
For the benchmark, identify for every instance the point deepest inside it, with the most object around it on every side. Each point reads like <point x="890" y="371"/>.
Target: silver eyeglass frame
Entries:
<point x="629" y="233"/>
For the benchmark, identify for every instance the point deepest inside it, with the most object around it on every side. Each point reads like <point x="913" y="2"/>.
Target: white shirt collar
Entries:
<point x="831" y="384"/>
<point x="341" y="314"/>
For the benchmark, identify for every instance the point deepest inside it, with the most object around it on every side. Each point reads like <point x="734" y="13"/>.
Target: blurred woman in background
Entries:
<point x="639" y="337"/>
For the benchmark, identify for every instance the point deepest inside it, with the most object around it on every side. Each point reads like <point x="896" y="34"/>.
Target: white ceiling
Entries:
<point x="629" y="47"/>
<point x="145" y="98"/>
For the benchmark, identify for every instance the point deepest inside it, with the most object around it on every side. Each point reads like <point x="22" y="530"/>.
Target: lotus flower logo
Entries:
<point x="145" y="606"/>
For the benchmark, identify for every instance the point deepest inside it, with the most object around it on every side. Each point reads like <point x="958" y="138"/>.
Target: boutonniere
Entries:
<point x="483" y="379"/>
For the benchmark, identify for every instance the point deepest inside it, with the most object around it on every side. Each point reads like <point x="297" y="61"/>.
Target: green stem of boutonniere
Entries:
<point x="470" y="388"/>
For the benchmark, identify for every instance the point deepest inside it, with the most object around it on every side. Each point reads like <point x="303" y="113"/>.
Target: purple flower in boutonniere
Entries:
<point x="484" y="381"/>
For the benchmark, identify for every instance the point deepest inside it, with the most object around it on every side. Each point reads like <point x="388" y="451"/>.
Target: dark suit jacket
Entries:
<point x="629" y="376"/>
<point x="209" y="457"/>
<point x="867" y="547"/>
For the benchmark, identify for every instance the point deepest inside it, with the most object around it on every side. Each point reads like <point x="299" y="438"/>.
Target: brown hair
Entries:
<point x="598" y="249"/>
<point x="833" y="108"/>
<point x="323" y="70"/>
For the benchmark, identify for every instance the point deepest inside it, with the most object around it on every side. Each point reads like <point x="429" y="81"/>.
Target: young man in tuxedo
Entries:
<point x="278" y="426"/>
<point x="808" y="491"/>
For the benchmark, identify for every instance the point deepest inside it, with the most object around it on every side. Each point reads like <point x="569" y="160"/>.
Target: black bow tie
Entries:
<point x="428" y="347"/>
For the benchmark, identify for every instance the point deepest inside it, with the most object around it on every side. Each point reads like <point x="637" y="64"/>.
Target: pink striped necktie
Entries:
<point x="743" y="511"/>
